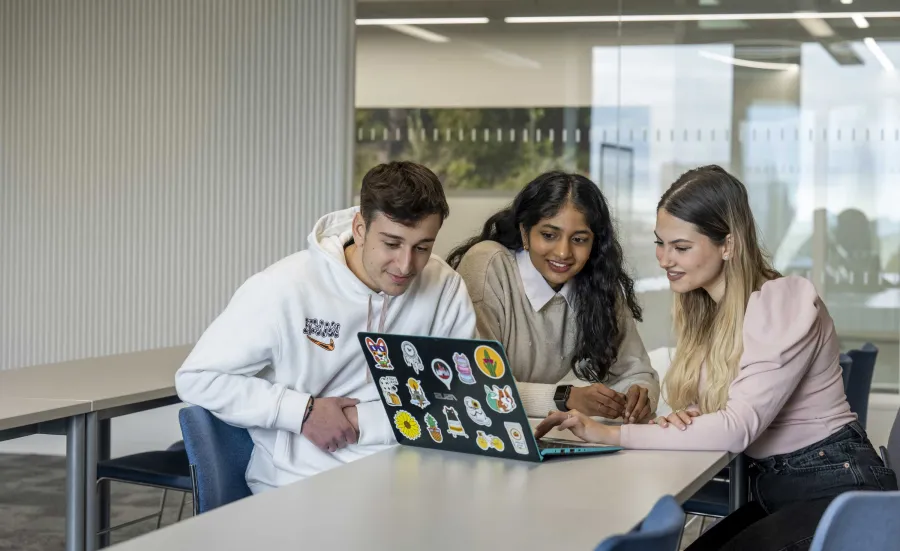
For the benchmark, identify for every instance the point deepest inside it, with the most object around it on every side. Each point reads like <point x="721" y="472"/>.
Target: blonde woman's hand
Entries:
<point x="681" y="418"/>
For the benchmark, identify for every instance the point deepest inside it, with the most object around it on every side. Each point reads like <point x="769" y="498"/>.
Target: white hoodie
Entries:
<point x="257" y="364"/>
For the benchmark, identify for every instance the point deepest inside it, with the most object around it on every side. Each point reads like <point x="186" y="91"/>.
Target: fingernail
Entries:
<point x="683" y="428"/>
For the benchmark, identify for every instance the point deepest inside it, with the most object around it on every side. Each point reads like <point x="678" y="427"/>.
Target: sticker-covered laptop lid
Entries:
<point x="450" y="394"/>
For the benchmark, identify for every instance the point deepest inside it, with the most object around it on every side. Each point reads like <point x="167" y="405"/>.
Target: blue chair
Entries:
<point x="218" y="454"/>
<point x="891" y="453"/>
<point x="846" y="369"/>
<point x="712" y="499"/>
<point x="861" y="380"/>
<point x="164" y="469"/>
<point x="860" y="520"/>
<point x="660" y="531"/>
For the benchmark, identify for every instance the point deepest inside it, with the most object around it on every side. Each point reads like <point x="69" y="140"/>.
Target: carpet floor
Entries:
<point x="33" y="504"/>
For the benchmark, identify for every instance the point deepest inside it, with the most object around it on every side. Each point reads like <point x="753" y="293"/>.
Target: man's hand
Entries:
<point x="596" y="400"/>
<point x="327" y="426"/>
<point x="637" y="405"/>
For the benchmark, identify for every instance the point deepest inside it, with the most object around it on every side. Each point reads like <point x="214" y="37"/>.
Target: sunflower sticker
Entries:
<point x="489" y="362"/>
<point x="407" y="425"/>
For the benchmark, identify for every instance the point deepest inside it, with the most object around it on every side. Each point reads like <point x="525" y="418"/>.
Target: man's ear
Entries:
<point x="359" y="229"/>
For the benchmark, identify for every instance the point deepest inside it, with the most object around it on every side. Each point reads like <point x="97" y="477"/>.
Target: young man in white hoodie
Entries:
<point x="283" y="359"/>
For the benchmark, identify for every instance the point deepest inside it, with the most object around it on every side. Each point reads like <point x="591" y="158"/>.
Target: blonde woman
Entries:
<point x="755" y="370"/>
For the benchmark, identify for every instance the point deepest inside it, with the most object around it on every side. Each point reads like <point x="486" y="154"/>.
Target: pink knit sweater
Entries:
<point x="789" y="392"/>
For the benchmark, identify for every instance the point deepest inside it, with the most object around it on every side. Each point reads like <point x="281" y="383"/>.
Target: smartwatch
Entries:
<point x="561" y="396"/>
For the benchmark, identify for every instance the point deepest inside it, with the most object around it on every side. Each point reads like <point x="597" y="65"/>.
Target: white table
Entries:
<point x="410" y="499"/>
<point x="107" y="382"/>
<point x="22" y="416"/>
<point x="108" y="387"/>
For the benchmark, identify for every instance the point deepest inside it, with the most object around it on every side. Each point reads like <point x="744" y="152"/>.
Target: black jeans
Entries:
<point x="792" y="491"/>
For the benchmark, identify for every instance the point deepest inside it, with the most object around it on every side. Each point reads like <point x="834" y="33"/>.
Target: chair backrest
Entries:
<point x="860" y="520"/>
<point x="846" y="369"/>
<point x="218" y="454"/>
<point x="861" y="380"/>
<point x="893" y="445"/>
<point x="660" y="531"/>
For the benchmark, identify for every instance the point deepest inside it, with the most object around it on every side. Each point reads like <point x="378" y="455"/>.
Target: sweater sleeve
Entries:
<point x="633" y="365"/>
<point x="537" y="398"/>
<point x="219" y="374"/>
<point x="781" y="331"/>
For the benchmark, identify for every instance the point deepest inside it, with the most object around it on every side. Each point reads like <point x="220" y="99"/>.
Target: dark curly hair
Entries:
<point x="599" y="286"/>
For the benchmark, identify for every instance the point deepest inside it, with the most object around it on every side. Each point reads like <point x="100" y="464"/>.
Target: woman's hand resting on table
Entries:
<point x="680" y="419"/>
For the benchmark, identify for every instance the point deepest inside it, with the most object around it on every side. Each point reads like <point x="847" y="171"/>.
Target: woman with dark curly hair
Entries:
<point x="548" y="281"/>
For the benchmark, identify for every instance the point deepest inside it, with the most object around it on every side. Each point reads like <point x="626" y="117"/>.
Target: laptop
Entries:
<point x="457" y="395"/>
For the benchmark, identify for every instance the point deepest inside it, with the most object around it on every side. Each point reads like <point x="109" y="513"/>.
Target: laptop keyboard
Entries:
<point x="543" y="445"/>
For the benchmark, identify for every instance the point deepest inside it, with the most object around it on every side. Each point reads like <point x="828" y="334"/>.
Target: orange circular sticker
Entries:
<point x="489" y="362"/>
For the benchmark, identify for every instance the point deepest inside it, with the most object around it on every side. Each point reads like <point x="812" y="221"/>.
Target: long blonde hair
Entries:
<point x="716" y="203"/>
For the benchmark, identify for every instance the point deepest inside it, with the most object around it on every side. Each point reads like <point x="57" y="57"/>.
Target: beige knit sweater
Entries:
<point x="541" y="344"/>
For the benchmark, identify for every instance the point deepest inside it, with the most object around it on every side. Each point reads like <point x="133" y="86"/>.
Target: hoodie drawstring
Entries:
<point x="382" y="318"/>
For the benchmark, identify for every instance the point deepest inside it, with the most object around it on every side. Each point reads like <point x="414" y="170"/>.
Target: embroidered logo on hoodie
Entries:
<point x="323" y="330"/>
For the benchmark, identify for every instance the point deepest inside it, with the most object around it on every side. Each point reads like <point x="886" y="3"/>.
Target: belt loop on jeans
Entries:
<point x="857" y="428"/>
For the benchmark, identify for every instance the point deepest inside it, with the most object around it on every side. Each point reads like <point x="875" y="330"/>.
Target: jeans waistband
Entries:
<point x="849" y="432"/>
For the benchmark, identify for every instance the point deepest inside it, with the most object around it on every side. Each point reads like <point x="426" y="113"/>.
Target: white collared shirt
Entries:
<point x="538" y="291"/>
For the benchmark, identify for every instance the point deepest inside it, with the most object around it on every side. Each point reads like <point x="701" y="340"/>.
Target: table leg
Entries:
<point x="103" y="454"/>
<point x="75" y="456"/>
<point x="91" y="495"/>
<point x="738" y="483"/>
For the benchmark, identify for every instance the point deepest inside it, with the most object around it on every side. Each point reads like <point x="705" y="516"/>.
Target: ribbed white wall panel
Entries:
<point x="153" y="155"/>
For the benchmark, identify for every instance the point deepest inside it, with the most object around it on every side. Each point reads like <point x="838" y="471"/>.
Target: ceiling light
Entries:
<point x="748" y="63"/>
<point x="879" y="54"/>
<point x="418" y="32"/>
<point x="816" y="27"/>
<point x="860" y="21"/>
<point x="847" y="2"/>
<point x="697" y="17"/>
<point x="426" y="21"/>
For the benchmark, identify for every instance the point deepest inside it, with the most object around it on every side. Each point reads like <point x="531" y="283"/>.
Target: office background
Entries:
<point x="154" y="155"/>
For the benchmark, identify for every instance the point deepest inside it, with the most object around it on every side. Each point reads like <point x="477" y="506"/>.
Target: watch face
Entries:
<point x="562" y="393"/>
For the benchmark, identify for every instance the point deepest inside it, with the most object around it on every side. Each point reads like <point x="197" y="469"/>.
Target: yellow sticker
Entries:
<point x="489" y="362"/>
<point x="407" y="425"/>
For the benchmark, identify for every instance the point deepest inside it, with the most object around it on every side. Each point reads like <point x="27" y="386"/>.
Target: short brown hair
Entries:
<point x="403" y="191"/>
